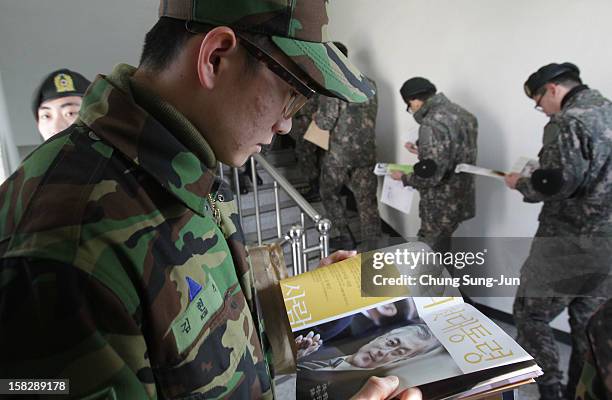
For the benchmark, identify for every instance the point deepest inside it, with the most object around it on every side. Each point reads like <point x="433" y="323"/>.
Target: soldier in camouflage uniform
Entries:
<point x="447" y="136"/>
<point x="574" y="180"/>
<point x="596" y="379"/>
<point x="307" y="153"/>
<point x="122" y="266"/>
<point x="350" y="161"/>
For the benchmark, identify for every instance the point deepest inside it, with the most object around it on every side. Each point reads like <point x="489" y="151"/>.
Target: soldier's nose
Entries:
<point x="283" y="126"/>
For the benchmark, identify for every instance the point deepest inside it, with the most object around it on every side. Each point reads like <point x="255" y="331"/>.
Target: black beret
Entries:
<point x="546" y="74"/>
<point x="416" y="86"/>
<point x="60" y="83"/>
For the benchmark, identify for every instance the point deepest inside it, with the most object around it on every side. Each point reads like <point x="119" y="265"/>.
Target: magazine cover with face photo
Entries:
<point x="322" y="327"/>
<point x="334" y="359"/>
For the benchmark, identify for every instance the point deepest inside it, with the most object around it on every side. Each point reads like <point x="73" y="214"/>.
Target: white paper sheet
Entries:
<point x="396" y="195"/>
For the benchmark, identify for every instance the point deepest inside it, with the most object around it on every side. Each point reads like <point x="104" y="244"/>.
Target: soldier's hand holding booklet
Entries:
<point x="382" y="169"/>
<point x="339" y="337"/>
<point x="394" y="193"/>
<point x="523" y="166"/>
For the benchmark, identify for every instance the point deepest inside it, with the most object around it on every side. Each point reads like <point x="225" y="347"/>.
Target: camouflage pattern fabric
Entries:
<point x="437" y="236"/>
<point x="532" y="316"/>
<point x="350" y="161"/>
<point x="298" y="27"/>
<point x="117" y="270"/>
<point x="448" y="135"/>
<point x="596" y="379"/>
<point x="577" y="141"/>
<point x="306" y="152"/>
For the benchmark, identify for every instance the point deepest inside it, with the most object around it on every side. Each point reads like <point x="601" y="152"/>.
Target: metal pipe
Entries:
<point x="295" y="235"/>
<point x="304" y="244"/>
<point x="324" y="227"/>
<point x="238" y="195"/>
<point x="220" y="169"/>
<point x="288" y="188"/>
<point x="256" y="197"/>
<point x="312" y="249"/>
<point x="279" y="234"/>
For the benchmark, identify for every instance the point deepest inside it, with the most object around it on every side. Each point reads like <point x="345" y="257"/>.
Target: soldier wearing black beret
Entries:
<point x="448" y="136"/>
<point x="57" y="101"/>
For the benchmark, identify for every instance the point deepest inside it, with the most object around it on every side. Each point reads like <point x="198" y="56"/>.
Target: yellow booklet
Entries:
<point x="326" y="294"/>
<point x="340" y="337"/>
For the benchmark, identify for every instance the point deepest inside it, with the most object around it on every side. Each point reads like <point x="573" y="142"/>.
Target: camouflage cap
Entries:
<point x="60" y="83"/>
<point x="546" y="74"/>
<point x="297" y="27"/>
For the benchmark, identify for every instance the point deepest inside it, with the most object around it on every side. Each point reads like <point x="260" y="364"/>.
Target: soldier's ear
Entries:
<point x="552" y="88"/>
<point x="217" y="51"/>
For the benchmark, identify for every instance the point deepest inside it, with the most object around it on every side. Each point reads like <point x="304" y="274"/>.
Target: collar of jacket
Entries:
<point x="151" y="133"/>
<point x="571" y="94"/>
<point x="432" y="102"/>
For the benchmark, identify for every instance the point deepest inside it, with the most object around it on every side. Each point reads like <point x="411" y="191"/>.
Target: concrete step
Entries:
<point x="289" y="215"/>
<point x="268" y="234"/>
<point x="263" y="209"/>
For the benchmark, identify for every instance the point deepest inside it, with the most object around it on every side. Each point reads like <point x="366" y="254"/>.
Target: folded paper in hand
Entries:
<point x="318" y="136"/>
<point x="473" y="169"/>
<point x="396" y="195"/>
<point x="523" y="166"/>
<point x="382" y="169"/>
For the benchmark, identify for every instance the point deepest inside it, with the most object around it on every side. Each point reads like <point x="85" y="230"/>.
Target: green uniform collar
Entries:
<point x="151" y="133"/>
<point x="176" y="123"/>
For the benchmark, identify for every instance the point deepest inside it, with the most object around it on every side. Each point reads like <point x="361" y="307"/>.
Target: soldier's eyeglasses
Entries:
<point x="537" y="105"/>
<point x="300" y="93"/>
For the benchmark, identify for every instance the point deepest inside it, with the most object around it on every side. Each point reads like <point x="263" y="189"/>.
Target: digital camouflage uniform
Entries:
<point x="575" y="224"/>
<point x="350" y="161"/>
<point x="109" y="246"/>
<point x="447" y="135"/>
<point x="596" y="379"/>
<point x="306" y="152"/>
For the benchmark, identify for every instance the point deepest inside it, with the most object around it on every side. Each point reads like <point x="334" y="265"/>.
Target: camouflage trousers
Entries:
<point x="335" y="173"/>
<point x="532" y="316"/>
<point x="437" y="236"/>
<point x="551" y="259"/>
<point x="596" y="379"/>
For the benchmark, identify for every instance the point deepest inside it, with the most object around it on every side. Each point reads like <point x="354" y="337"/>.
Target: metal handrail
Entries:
<point x="297" y="234"/>
<point x="288" y="188"/>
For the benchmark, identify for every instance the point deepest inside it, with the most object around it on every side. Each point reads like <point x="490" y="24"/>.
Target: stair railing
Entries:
<point x="296" y="236"/>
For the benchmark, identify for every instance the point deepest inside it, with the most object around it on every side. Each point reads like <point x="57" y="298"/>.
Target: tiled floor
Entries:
<point x="286" y="385"/>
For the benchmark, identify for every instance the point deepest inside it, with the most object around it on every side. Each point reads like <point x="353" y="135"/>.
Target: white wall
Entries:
<point x="9" y="157"/>
<point x="39" y="36"/>
<point x="479" y="53"/>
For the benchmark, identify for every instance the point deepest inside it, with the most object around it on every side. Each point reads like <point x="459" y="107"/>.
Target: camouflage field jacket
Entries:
<point x="448" y="135"/>
<point x="122" y="265"/>
<point x="578" y="142"/>
<point x="352" y="129"/>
